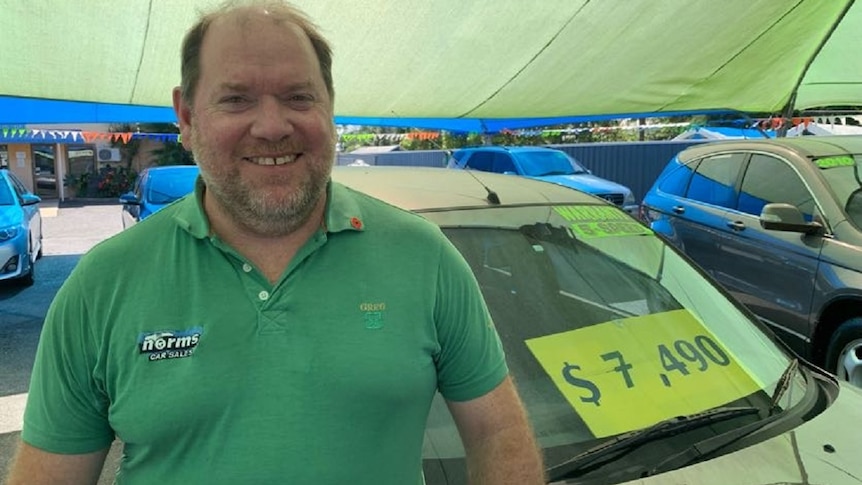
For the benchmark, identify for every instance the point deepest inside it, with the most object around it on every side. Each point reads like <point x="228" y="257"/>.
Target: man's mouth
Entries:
<point x="282" y="160"/>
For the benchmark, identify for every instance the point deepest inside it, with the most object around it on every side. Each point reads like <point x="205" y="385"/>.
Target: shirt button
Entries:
<point x="263" y="295"/>
<point x="246" y="267"/>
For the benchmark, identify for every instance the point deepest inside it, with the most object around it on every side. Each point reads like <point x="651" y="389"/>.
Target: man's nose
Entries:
<point x="272" y="120"/>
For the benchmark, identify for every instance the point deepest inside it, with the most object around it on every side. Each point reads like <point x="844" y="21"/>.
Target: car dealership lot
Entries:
<point x="70" y="229"/>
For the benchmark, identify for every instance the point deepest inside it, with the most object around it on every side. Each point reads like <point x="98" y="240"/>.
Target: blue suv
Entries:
<point x="548" y="164"/>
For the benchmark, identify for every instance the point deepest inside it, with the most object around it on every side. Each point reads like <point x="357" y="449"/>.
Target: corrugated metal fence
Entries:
<point x="633" y="164"/>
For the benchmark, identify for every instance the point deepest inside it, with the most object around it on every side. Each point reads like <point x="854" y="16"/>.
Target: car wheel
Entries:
<point x="844" y="356"/>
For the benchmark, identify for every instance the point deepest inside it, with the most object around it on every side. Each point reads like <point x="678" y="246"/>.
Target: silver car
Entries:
<point x="634" y="366"/>
<point x="20" y="230"/>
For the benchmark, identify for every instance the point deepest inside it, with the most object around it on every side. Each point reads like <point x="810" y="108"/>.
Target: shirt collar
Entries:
<point x="342" y="211"/>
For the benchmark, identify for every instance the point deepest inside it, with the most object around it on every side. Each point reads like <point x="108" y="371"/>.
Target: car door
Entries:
<point x="697" y="219"/>
<point x="772" y="272"/>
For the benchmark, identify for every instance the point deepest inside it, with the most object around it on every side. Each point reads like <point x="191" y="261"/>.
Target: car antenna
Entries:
<point x="492" y="196"/>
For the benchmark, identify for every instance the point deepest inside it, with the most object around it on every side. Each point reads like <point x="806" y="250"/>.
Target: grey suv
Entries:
<point x="777" y="222"/>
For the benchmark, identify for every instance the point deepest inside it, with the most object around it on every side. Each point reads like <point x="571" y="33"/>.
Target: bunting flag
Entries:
<point x="22" y="134"/>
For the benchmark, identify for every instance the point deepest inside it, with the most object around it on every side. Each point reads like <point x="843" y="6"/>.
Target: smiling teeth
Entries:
<point x="273" y="161"/>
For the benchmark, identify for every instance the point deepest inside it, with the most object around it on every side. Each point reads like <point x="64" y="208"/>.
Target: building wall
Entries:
<point x="20" y="159"/>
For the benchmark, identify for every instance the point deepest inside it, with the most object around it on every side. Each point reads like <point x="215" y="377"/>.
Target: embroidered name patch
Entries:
<point x="169" y="344"/>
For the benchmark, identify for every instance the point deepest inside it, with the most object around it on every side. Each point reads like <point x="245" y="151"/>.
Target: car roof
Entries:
<point x="433" y="188"/>
<point x="806" y="146"/>
<point x="171" y="168"/>
<point x="506" y="148"/>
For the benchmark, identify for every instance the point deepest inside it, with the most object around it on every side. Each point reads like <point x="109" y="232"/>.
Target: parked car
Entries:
<point x="778" y="222"/>
<point x="20" y="229"/>
<point x="634" y="366"/>
<point x="541" y="163"/>
<point x="154" y="188"/>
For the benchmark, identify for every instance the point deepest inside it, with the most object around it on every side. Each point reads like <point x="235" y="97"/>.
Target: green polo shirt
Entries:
<point x="168" y="339"/>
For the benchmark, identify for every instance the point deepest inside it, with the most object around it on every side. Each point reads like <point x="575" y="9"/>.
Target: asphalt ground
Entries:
<point x="69" y="230"/>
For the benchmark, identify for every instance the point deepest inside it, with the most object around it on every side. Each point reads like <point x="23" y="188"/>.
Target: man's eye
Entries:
<point x="233" y="100"/>
<point x="301" y="100"/>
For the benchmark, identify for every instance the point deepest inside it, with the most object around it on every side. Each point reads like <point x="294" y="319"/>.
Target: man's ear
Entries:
<point x="184" y="117"/>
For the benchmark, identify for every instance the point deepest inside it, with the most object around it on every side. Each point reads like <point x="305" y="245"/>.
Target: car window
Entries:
<point x="503" y="163"/>
<point x="768" y="179"/>
<point x="137" y="187"/>
<point x="164" y="188"/>
<point x="675" y="177"/>
<point x="714" y="180"/>
<point x="842" y="174"/>
<point x="481" y="161"/>
<point x="551" y="162"/>
<point x="6" y="195"/>
<point x="18" y="185"/>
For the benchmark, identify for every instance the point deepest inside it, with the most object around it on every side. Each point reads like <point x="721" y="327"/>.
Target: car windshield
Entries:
<point x="6" y="195"/>
<point x="606" y="328"/>
<point x="842" y="173"/>
<point x="164" y="188"/>
<point x="552" y="162"/>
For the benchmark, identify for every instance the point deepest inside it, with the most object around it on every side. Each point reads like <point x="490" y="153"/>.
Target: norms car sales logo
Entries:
<point x="169" y="344"/>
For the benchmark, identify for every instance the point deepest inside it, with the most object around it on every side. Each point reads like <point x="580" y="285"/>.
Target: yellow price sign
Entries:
<point x="589" y="221"/>
<point x="631" y="373"/>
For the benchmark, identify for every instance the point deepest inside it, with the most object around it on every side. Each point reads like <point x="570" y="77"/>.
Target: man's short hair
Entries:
<point x="190" y="64"/>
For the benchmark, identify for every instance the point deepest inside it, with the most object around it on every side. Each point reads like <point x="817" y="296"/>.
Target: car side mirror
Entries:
<point x="30" y="199"/>
<point x="780" y="216"/>
<point x="129" y="198"/>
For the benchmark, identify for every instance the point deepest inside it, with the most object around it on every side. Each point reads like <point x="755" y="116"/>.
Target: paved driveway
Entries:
<point x="69" y="231"/>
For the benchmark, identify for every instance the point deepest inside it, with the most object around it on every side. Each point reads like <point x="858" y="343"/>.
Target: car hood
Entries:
<point x="11" y="215"/>
<point x="585" y="182"/>
<point x="822" y="450"/>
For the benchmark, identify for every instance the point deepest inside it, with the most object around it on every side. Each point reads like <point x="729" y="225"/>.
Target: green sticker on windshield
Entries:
<point x="588" y="221"/>
<point x="832" y="162"/>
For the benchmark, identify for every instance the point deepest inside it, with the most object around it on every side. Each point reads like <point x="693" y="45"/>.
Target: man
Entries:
<point x="277" y="338"/>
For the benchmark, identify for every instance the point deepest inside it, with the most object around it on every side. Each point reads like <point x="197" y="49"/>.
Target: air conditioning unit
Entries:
<point x="108" y="154"/>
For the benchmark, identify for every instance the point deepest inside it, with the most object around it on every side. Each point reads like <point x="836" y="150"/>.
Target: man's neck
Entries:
<point x="270" y="254"/>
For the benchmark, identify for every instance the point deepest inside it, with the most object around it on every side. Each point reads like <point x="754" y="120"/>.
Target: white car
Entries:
<point x="634" y="366"/>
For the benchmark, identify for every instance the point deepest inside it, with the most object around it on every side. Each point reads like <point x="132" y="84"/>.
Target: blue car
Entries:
<point x="541" y="163"/>
<point x="155" y="188"/>
<point x="20" y="229"/>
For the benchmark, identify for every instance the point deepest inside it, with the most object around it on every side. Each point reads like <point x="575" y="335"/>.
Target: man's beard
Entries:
<point x="255" y="209"/>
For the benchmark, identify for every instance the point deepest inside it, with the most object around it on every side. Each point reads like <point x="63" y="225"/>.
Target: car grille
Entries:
<point x="616" y="199"/>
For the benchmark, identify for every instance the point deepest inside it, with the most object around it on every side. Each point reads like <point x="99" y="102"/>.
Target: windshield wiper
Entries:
<point x="614" y="448"/>
<point x="782" y="385"/>
<point x="705" y="448"/>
